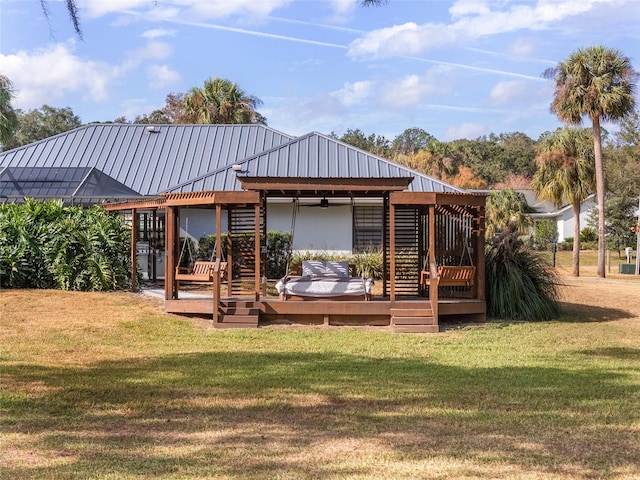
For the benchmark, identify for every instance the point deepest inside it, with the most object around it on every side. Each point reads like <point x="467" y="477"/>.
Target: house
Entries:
<point x="118" y="162"/>
<point x="242" y="180"/>
<point x="563" y="217"/>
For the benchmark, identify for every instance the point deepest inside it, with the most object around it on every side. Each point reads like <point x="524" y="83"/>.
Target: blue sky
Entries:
<point x="457" y="69"/>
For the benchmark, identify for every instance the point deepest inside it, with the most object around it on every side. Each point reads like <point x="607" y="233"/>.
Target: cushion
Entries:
<point x="337" y="269"/>
<point x="313" y="268"/>
<point x="321" y="268"/>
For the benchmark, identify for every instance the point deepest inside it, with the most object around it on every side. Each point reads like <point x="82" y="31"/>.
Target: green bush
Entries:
<point x="278" y="248"/>
<point x="47" y="245"/>
<point x="546" y="232"/>
<point x="369" y="264"/>
<point x="588" y="234"/>
<point x="520" y="285"/>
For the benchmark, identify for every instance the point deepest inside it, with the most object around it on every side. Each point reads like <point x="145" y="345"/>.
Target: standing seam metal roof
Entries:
<point x="149" y="162"/>
<point x="313" y="156"/>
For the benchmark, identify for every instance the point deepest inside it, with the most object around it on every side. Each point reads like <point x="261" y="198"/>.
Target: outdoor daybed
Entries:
<point x="324" y="280"/>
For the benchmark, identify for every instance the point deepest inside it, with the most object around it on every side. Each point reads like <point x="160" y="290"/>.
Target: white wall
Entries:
<point x="201" y="222"/>
<point x="316" y="228"/>
<point x="325" y="229"/>
<point x="566" y="221"/>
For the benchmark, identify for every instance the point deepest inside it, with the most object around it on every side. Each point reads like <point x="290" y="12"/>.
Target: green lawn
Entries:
<point x="105" y="386"/>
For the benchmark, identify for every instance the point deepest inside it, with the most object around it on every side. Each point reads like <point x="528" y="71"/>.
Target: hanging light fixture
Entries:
<point x="324" y="203"/>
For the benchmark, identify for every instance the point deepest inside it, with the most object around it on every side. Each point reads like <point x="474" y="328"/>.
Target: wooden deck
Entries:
<point x="410" y="315"/>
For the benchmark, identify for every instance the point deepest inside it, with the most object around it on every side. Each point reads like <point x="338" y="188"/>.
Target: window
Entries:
<point x="368" y="222"/>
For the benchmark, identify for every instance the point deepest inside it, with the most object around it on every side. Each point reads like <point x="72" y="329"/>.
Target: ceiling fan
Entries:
<point x="324" y="203"/>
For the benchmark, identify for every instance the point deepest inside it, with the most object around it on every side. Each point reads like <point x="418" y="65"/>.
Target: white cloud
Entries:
<point x="410" y="91"/>
<point x="471" y="20"/>
<point x="48" y="75"/>
<point x="343" y="6"/>
<point x="353" y="93"/>
<point x="468" y="7"/>
<point x="152" y="50"/>
<point x="200" y="9"/>
<point x="508" y="92"/>
<point x="157" y="33"/>
<point x="161" y="76"/>
<point x="414" y="90"/>
<point x="406" y="39"/>
<point x="465" y="130"/>
<point x="98" y="8"/>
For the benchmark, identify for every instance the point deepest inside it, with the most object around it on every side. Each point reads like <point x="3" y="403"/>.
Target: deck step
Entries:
<point x="238" y="314"/>
<point x="411" y="312"/>
<point x="413" y="320"/>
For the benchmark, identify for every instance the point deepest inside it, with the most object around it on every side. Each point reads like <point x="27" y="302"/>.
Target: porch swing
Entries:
<point x="320" y="279"/>
<point x="450" y="275"/>
<point x="202" y="271"/>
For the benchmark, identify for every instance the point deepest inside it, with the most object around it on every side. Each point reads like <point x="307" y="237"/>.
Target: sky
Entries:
<point x="457" y="69"/>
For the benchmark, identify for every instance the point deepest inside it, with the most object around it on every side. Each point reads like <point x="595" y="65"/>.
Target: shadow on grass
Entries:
<point x="252" y="415"/>
<point x="618" y="353"/>
<point x="575" y="312"/>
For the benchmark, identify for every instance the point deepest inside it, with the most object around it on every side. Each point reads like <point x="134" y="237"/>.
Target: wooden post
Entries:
<point x="432" y="236"/>
<point x="216" y="292"/>
<point x="134" y="250"/>
<point x="229" y="253"/>
<point x="434" y="281"/>
<point x="392" y="251"/>
<point x="257" y="277"/>
<point x="385" y="211"/>
<point x="170" y="288"/>
<point x="479" y="254"/>
<point x="218" y="231"/>
<point x="153" y="244"/>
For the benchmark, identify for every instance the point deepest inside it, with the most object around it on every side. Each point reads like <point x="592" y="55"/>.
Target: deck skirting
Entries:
<point x="378" y="312"/>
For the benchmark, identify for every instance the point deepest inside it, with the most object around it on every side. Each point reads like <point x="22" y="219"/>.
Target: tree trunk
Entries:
<point x="597" y="153"/>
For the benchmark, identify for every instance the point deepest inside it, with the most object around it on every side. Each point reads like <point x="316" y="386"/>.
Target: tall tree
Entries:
<point x="411" y="141"/>
<point x="376" y="144"/>
<point x="42" y="123"/>
<point x="8" y="116"/>
<point x="220" y="101"/>
<point x="566" y="174"/>
<point x="597" y="82"/>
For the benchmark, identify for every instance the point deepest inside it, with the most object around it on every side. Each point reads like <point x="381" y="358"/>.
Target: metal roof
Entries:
<point x="312" y="156"/>
<point x="147" y="158"/>
<point x="79" y="185"/>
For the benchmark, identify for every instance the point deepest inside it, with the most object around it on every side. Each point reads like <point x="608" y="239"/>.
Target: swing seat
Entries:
<point x="201" y="272"/>
<point x="451" y="276"/>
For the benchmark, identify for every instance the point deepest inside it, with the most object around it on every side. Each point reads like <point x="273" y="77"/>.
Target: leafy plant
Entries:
<point x="47" y="245"/>
<point x="520" y="284"/>
<point x="546" y="232"/>
<point x="369" y="264"/>
<point x="278" y="248"/>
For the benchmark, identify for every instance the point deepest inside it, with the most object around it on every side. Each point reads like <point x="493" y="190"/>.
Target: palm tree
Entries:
<point x="221" y="101"/>
<point x="565" y="174"/>
<point x="507" y="211"/>
<point x="8" y="116"/>
<point x="597" y="82"/>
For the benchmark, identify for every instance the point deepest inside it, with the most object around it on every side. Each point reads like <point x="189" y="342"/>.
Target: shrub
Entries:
<point x="47" y="245"/>
<point x="545" y="232"/>
<point x="278" y="248"/>
<point x="520" y="285"/>
<point x="369" y="264"/>
<point x="588" y="234"/>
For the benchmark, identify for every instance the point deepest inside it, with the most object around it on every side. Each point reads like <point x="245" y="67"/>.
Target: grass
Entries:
<point x="105" y="386"/>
